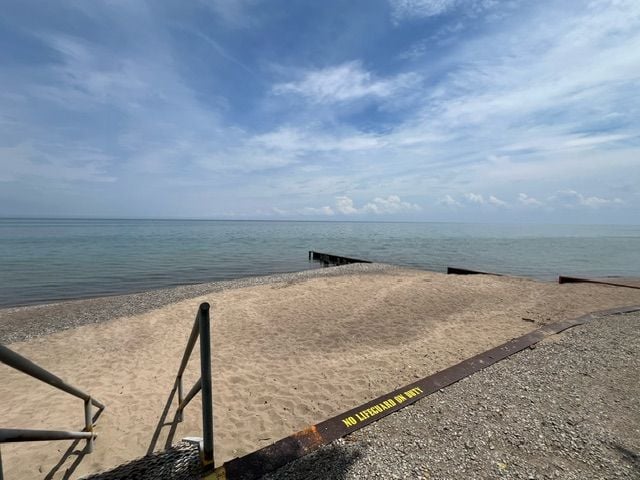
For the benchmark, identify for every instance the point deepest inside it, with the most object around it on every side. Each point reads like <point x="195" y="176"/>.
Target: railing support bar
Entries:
<point x="205" y="378"/>
<point x="97" y="404"/>
<point x="192" y="393"/>
<point x="190" y="344"/>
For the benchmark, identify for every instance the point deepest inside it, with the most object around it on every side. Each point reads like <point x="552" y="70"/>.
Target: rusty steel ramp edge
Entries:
<point x="566" y="279"/>
<point x="270" y="458"/>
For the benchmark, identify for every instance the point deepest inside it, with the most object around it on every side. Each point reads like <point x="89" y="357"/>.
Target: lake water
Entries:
<point x="47" y="260"/>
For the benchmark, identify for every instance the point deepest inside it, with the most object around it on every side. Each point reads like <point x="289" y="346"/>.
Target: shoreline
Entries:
<point x="143" y="289"/>
<point x="25" y="322"/>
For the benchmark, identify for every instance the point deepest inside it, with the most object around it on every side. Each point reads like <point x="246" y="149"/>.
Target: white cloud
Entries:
<point x="235" y="13"/>
<point x="345" y="205"/>
<point x="446" y="34"/>
<point x="496" y="201"/>
<point x="594" y="140"/>
<point x="279" y="211"/>
<point x="391" y="204"/>
<point x="74" y="163"/>
<point x="326" y="210"/>
<point x="300" y="141"/>
<point x="449" y="201"/>
<point x="408" y="9"/>
<point x="378" y="206"/>
<point x="345" y="82"/>
<point x="525" y="199"/>
<point x="571" y="198"/>
<point x="87" y="75"/>
<point x="474" y="198"/>
<point x="401" y="9"/>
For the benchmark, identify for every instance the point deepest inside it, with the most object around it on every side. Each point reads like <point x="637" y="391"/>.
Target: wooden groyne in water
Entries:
<point x="612" y="281"/>
<point x="466" y="271"/>
<point x="329" y="259"/>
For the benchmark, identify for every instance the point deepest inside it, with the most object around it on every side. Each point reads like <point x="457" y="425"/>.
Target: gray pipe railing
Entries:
<point x="13" y="435"/>
<point x="24" y="365"/>
<point x="201" y="328"/>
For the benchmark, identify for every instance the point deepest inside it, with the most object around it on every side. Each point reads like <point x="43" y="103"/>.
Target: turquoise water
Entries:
<point x="46" y="260"/>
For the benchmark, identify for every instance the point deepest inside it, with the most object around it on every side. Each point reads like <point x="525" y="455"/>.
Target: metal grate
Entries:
<point x="180" y="462"/>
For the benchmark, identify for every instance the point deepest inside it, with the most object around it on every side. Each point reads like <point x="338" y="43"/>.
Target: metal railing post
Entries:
<point x="88" y="423"/>
<point x="1" y="474"/>
<point x="207" y="395"/>
<point x="180" y="398"/>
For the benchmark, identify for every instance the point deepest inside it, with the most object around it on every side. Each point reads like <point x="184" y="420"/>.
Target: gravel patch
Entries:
<point x="567" y="409"/>
<point x="23" y="323"/>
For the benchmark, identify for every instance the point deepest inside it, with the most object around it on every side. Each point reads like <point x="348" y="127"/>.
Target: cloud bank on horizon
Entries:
<point x="436" y="110"/>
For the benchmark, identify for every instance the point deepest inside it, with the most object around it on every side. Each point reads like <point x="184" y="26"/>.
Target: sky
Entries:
<point x="410" y="110"/>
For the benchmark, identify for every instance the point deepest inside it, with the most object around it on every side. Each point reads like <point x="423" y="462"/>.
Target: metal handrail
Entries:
<point x="9" y="435"/>
<point x="17" y="361"/>
<point x="201" y="328"/>
<point x="24" y="365"/>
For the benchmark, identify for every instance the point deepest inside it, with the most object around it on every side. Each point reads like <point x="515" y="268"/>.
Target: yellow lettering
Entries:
<point x="399" y="398"/>
<point x="349" y="421"/>
<point x="413" y="392"/>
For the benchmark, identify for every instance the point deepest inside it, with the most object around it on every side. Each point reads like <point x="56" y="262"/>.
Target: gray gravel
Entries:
<point x="568" y="409"/>
<point x="23" y="323"/>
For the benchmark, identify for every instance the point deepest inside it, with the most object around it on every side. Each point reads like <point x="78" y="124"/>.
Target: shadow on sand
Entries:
<point x="162" y="422"/>
<point x="69" y="453"/>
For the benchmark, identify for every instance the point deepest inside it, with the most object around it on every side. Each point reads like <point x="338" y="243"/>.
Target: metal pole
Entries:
<point x="12" y="435"/>
<point x="180" y="398"/>
<point x="207" y="395"/>
<point x="1" y="474"/>
<point x="88" y="424"/>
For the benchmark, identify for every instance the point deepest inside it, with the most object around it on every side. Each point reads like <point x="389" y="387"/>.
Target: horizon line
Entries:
<point x="205" y="219"/>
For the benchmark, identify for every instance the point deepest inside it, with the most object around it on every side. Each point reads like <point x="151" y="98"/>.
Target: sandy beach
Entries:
<point x="287" y="352"/>
<point x="523" y="418"/>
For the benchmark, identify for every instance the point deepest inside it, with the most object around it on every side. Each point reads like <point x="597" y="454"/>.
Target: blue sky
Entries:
<point x="427" y="110"/>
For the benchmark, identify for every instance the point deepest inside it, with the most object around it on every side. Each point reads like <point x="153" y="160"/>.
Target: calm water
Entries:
<point x="45" y="260"/>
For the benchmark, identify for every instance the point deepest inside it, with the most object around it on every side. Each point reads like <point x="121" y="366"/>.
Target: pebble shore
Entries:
<point x="24" y="323"/>
<point x="567" y="409"/>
